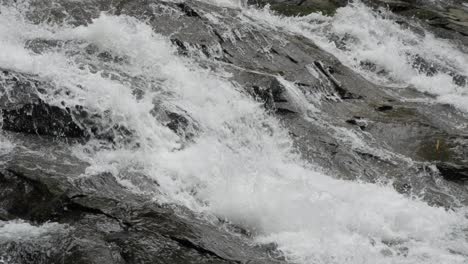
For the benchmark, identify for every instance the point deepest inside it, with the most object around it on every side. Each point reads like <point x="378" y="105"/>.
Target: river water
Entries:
<point x="241" y="164"/>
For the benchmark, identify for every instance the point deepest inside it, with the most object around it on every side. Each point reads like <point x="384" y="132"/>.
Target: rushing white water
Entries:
<point x="20" y="230"/>
<point x="6" y="146"/>
<point x="382" y="50"/>
<point x="227" y="3"/>
<point x="241" y="164"/>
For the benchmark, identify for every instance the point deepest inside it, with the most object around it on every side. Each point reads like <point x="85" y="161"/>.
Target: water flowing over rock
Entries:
<point x="260" y="131"/>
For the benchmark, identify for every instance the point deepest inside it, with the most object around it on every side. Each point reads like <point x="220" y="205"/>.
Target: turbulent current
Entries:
<point x="384" y="51"/>
<point x="234" y="160"/>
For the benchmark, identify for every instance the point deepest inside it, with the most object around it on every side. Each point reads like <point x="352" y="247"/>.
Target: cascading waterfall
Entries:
<point x="240" y="164"/>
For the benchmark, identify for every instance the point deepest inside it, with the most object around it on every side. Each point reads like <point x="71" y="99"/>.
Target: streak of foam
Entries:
<point x="19" y="230"/>
<point x="362" y="38"/>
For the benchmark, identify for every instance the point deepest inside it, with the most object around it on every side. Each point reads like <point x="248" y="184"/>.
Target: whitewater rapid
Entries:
<point x="380" y="49"/>
<point x="241" y="165"/>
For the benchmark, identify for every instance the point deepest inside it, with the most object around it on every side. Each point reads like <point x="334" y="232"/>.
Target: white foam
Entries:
<point x="241" y="165"/>
<point x="18" y="230"/>
<point x="6" y="146"/>
<point x="372" y="37"/>
<point x="226" y="3"/>
<point x="295" y="98"/>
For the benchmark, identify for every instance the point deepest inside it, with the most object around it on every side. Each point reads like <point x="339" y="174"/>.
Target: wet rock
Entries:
<point x="176" y="119"/>
<point x="40" y="46"/>
<point x="106" y="223"/>
<point x="446" y="19"/>
<point x="24" y="111"/>
<point x="403" y="188"/>
<point x="17" y="89"/>
<point x="42" y="119"/>
<point x="342" y="92"/>
<point x="393" y="5"/>
<point x="73" y="12"/>
<point x="109" y="223"/>
<point x="92" y="251"/>
<point x="358" y="121"/>
<point x="188" y="10"/>
<point x="25" y="198"/>
<point x="384" y="108"/>
<point x="264" y="95"/>
<point x="453" y="172"/>
<point x="181" y="47"/>
<point x="301" y="7"/>
<point x="274" y="97"/>
<point x="178" y="122"/>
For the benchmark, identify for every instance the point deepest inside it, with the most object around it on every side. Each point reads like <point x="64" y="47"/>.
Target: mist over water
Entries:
<point x="240" y="164"/>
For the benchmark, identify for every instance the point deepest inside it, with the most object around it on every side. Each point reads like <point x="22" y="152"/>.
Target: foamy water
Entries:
<point x="21" y="231"/>
<point x="382" y="50"/>
<point x="241" y="164"/>
<point x="6" y="146"/>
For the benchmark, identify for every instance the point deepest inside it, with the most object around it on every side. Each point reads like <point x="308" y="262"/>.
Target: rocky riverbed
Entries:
<point x="147" y="131"/>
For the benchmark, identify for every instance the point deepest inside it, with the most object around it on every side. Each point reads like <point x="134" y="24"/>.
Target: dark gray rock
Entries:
<point x="453" y="172"/>
<point x="24" y="111"/>
<point x="42" y="119"/>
